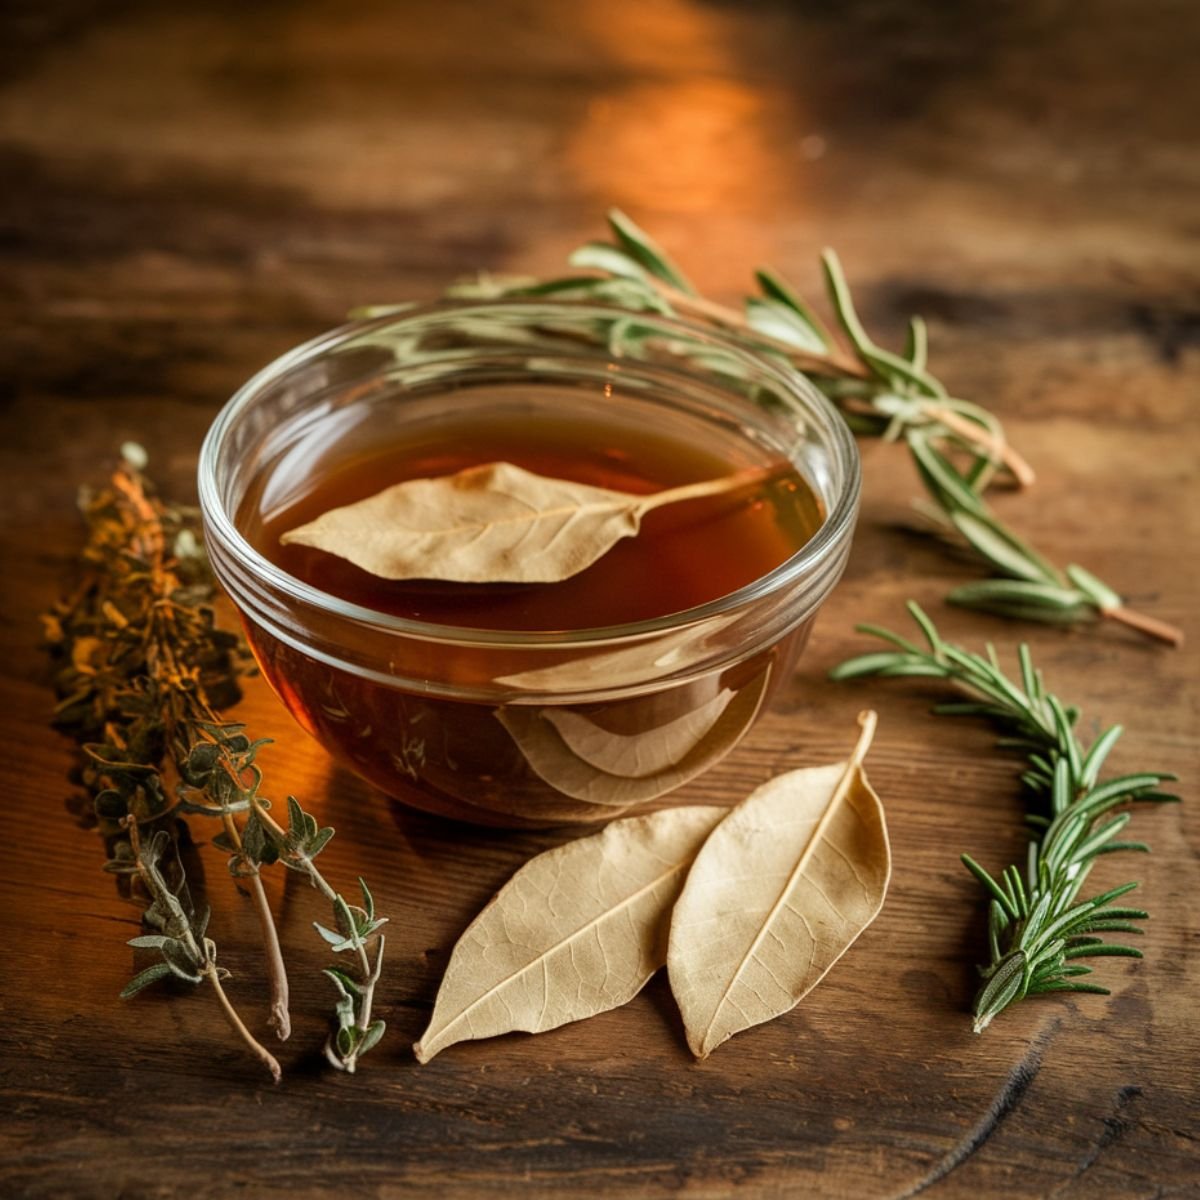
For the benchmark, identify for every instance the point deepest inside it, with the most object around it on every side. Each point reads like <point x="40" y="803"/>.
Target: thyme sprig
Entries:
<point x="1038" y="928"/>
<point x="881" y="393"/>
<point x="143" y="669"/>
<point x="356" y="933"/>
<point x="186" y="952"/>
<point x="221" y="779"/>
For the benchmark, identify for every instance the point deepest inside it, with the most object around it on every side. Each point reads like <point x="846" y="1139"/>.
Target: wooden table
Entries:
<point x="190" y="190"/>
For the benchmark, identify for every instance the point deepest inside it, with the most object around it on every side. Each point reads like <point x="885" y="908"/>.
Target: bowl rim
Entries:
<point x="831" y="534"/>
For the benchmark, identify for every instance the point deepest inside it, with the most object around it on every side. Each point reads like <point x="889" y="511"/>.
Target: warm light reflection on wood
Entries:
<point x="692" y="145"/>
<point x="692" y="136"/>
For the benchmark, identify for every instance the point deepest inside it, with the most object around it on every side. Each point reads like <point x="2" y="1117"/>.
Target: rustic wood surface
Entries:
<point x="190" y="190"/>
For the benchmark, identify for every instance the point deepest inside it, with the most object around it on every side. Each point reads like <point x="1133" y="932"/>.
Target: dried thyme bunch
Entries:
<point x="1038" y="928"/>
<point x="881" y="393"/>
<point x="142" y="669"/>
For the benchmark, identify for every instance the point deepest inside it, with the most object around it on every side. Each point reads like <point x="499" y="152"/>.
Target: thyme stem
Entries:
<point x="191" y="707"/>
<point x="279" y="1017"/>
<point x="356" y="1031"/>
<point x="213" y="975"/>
<point x="201" y="950"/>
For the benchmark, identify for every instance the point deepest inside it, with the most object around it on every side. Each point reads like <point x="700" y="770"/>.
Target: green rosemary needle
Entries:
<point x="1029" y="587"/>
<point x="1038" y="928"/>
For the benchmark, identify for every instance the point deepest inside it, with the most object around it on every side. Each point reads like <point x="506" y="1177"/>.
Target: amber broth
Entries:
<point x="507" y="764"/>
<point x="685" y="555"/>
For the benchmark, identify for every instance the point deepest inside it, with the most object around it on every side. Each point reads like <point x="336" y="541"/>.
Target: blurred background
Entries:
<point x="189" y="189"/>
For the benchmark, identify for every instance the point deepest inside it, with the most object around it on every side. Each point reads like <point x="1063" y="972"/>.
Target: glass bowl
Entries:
<point x="519" y="728"/>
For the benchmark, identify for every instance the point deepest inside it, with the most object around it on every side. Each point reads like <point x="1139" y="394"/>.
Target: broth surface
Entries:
<point x="686" y="554"/>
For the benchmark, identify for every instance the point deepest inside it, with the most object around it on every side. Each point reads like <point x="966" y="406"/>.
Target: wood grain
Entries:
<point x="191" y="190"/>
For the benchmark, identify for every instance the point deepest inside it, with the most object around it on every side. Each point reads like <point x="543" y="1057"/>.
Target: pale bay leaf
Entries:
<point x="576" y="931"/>
<point x="570" y="751"/>
<point x="780" y="891"/>
<point x="644" y="753"/>
<point x="495" y="523"/>
<point x="635" y="661"/>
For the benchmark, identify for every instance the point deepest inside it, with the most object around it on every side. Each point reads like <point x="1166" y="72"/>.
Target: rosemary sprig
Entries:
<point x="1030" y="587"/>
<point x="881" y="393"/>
<point x="143" y="667"/>
<point x="1038" y="928"/>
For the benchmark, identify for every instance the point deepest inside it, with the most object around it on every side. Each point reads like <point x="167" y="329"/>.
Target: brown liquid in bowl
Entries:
<point x="685" y="555"/>
<point x="538" y="764"/>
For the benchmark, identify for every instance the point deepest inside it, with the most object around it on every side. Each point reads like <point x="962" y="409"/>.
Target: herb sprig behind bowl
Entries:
<point x="959" y="447"/>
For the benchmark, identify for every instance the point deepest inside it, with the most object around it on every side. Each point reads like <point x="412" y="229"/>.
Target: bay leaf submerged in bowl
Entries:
<point x="546" y="703"/>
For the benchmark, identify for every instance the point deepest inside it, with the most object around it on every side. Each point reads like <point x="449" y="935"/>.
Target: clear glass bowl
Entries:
<point x="522" y="729"/>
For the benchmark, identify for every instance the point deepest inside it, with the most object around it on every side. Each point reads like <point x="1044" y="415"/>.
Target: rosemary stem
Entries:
<point x="212" y="974"/>
<point x="999" y="448"/>
<point x="838" y="365"/>
<point x="730" y="318"/>
<point x="1130" y="617"/>
<point x="1037" y="926"/>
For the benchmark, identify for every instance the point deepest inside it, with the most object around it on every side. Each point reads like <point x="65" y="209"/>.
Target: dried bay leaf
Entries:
<point x="781" y="889"/>
<point x="495" y="523"/>
<point x="644" y="753"/>
<point x="581" y="759"/>
<point x="636" y="661"/>
<point x="577" y="931"/>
